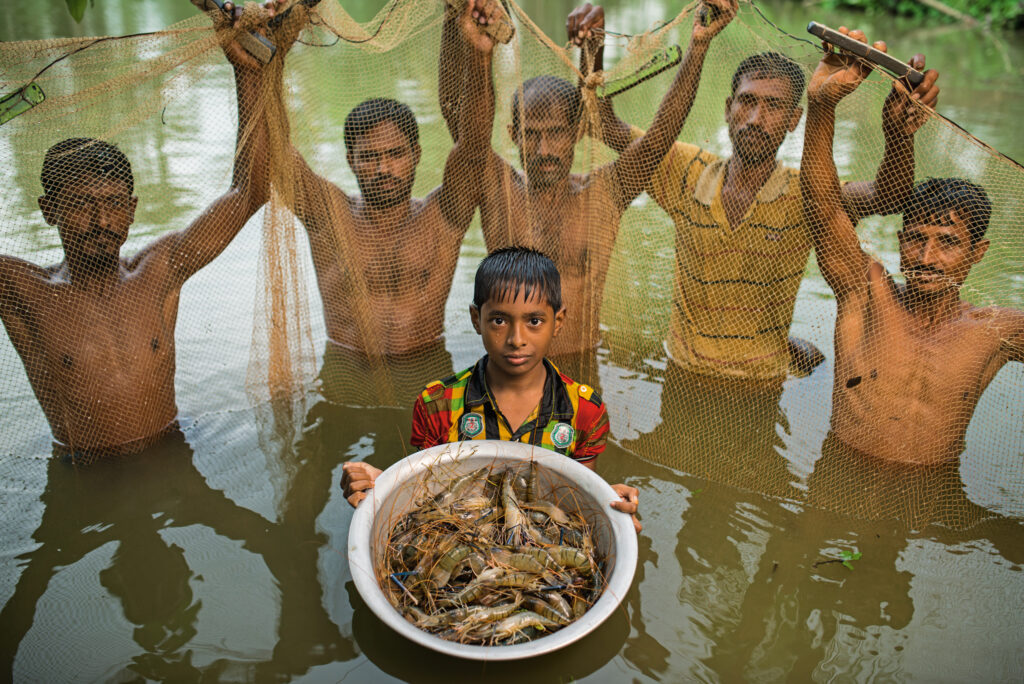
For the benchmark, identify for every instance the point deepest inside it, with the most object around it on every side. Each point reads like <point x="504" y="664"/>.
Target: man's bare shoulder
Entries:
<point x="1001" y="316"/>
<point x="15" y="265"/>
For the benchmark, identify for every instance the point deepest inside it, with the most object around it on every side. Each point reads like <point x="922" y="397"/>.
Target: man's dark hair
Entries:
<point x="552" y="89"/>
<point x="510" y="270"/>
<point x="771" y="65"/>
<point x="70" y="159"/>
<point x="936" y="197"/>
<point x="369" y="113"/>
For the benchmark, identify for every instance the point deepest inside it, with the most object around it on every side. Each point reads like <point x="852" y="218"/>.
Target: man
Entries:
<point x="574" y="218"/>
<point x="912" y="360"/>
<point x="741" y="243"/>
<point x="385" y="260"/>
<point x="96" y="331"/>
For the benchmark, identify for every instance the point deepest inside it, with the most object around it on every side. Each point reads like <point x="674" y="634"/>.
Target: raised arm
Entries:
<point x="842" y="261"/>
<point x="641" y="158"/>
<point x="894" y="180"/>
<point x="190" y="249"/>
<point x="461" y="188"/>
<point x="585" y="29"/>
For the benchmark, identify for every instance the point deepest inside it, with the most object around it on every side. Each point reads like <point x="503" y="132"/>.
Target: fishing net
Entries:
<point x="699" y="335"/>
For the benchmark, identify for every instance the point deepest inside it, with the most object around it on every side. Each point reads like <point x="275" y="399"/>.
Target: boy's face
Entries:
<point x="517" y="333"/>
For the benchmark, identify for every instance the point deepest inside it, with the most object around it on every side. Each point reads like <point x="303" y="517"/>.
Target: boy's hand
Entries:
<point x="839" y="74"/>
<point x="356" y="478"/>
<point x="717" y="13"/>
<point x="899" y="116"/>
<point x="478" y="14"/>
<point x="629" y="503"/>
<point x="585" y="23"/>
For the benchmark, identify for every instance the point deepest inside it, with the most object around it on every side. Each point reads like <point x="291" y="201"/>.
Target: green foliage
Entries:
<point x="77" y="8"/>
<point x="1007" y="13"/>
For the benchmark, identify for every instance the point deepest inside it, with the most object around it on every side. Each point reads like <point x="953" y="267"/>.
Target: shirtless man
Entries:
<point x="96" y="331"/>
<point x="911" y="360"/>
<point x="574" y="218"/>
<point x="384" y="259"/>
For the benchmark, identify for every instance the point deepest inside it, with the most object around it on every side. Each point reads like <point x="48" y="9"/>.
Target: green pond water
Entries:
<point x="221" y="556"/>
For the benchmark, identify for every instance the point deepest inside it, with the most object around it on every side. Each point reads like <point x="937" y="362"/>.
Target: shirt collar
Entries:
<point x="555" y="401"/>
<point x="709" y="184"/>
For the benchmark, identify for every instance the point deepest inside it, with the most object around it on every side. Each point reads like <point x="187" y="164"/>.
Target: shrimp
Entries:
<point x="570" y="557"/>
<point x="445" y="497"/>
<point x="546" y="610"/>
<point x="442" y="570"/>
<point x="556" y="514"/>
<point x="514" y="624"/>
<point x="516" y="523"/>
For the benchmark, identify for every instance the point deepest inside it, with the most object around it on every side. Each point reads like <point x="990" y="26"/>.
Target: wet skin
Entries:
<point x="96" y="332"/>
<point x="912" y="360"/>
<point x="920" y="345"/>
<point x="385" y="260"/>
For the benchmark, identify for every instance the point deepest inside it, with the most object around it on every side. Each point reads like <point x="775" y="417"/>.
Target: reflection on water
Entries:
<point x="218" y="555"/>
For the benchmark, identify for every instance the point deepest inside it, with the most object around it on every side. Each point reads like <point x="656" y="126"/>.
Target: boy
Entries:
<point x="517" y="310"/>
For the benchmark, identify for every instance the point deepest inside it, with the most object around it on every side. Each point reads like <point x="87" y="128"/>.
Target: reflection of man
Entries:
<point x="741" y="241"/>
<point x="574" y="218"/>
<point x="133" y="508"/>
<point x="96" y="331"/>
<point x="912" y="360"/>
<point x="384" y="260"/>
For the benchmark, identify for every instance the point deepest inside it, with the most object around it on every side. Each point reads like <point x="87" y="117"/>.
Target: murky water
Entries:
<point x="220" y="557"/>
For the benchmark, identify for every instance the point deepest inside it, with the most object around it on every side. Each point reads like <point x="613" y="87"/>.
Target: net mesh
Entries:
<point x="698" y="320"/>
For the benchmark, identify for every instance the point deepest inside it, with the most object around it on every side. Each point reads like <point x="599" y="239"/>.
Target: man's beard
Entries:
<point x="753" y="145"/>
<point x="384" y="197"/>
<point x="102" y="262"/>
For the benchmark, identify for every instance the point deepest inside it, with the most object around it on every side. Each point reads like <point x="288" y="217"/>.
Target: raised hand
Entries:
<point x="479" y="13"/>
<point x="717" y="14"/>
<point x="899" y="115"/>
<point x="839" y="74"/>
<point x="236" y="54"/>
<point x="585" y="23"/>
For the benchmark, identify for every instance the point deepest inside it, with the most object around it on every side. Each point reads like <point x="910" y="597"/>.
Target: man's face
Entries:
<point x="384" y="163"/>
<point x="92" y="215"/>
<point x="760" y="114"/>
<point x="517" y="333"/>
<point x="936" y="254"/>
<point x="548" y="142"/>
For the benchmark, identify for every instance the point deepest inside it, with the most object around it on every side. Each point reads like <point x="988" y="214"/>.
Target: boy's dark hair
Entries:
<point x="510" y="270"/>
<point x="551" y="89"/>
<point x="369" y="113"/>
<point x="70" y="159"/>
<point x="771" y="65"/>
<point x="936" y="197"/>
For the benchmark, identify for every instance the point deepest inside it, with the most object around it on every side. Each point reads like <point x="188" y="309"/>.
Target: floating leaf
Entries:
<point x="848" y="556"/>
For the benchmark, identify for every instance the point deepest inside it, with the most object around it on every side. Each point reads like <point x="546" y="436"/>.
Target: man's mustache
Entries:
<point x="103" y="234"/>
<point x="924" y="270"/>
<point x="545" y="160"/>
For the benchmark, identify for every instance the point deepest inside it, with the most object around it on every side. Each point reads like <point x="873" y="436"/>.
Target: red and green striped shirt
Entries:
<point x="570" y="418"/>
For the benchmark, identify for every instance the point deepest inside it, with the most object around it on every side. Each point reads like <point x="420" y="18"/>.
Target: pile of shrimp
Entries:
<point x="487" y="561"/>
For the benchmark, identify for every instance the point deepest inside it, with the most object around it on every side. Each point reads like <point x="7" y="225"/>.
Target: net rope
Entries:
<point x="693" y="332"/>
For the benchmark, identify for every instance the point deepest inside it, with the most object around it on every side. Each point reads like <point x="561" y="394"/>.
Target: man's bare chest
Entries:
<point x="122" y="331"/>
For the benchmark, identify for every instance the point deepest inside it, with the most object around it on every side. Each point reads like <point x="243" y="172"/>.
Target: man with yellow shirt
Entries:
<point x="741" y="250"/>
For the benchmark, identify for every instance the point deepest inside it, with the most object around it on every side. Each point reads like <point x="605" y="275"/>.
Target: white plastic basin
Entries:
<point x="392" y="497"/>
